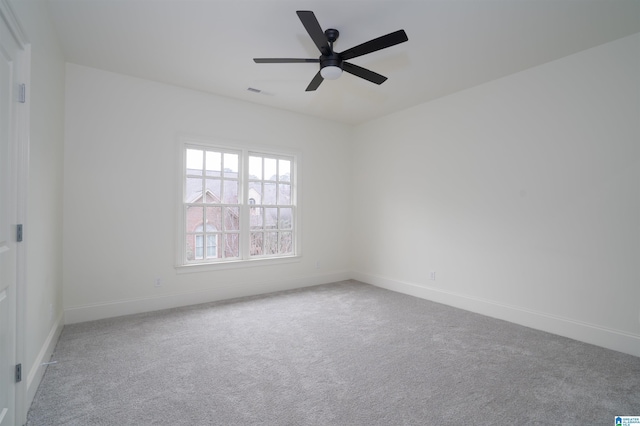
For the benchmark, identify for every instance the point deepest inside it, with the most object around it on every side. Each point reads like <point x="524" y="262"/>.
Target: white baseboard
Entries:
<point x="75" y="314"/>
<point x="589" y="333"/>
<point x="37" y="369"/>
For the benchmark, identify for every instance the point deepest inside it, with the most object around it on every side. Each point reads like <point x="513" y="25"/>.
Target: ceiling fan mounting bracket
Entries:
<point x="332" y="34"/>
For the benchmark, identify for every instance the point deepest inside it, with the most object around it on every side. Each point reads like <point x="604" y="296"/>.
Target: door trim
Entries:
<point x="21" y="140"/>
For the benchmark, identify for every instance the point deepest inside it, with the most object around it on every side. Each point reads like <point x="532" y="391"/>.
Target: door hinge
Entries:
<point x="19" y="233"/>
<point x="18" y="373"/>
<point x="22" y="93"/>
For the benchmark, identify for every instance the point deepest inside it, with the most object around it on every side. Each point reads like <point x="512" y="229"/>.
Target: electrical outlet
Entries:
<point x="432" y="275"/>
<point x="158" y="282"/>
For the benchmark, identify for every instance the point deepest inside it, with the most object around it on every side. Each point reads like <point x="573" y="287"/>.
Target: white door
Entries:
<point x="8" y="213"/>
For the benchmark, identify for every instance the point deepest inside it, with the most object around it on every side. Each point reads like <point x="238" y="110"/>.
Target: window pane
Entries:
<point x="284" y="194"/>
<point x="213" y="163"/>
<point x="270" y="169"/>
<point x="270" y="218"/>
<point x="231" y="219"/>
<point x="286" y="243"/>
<point x="285" y="220"/>
<point x="199" y="246"/>
<point x="256" y="244"/>
<point x="269" y="196"/>
<point x="270" y="242"/>
<point x="255" y="167"/>
<point x="255" y="192"/>
<point x="284" y="169"/>
<point x="231" y="164"/>
<point x="230" y="192"/>
<point x="191" y="247"/>
<point x="212" y="249"/>
<point x="213" y="186"/>
<point x="231" y="245"/>
<point x="214" y="218"/>
<point x="194" y="217"/>
<point x="255" y="217"/>
<point x="194" y="162"/>
<point x="193" y="190"/>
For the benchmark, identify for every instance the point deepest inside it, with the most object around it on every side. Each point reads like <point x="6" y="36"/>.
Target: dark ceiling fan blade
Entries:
<point x="363" y="73"/>
<point x="283" y="60"/>
<point x="314" y="83"/>
<point x="379" y="43"/>
<point x="312" y="26"/>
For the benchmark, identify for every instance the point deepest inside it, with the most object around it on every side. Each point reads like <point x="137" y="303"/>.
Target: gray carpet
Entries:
<point x="337" y="354"/>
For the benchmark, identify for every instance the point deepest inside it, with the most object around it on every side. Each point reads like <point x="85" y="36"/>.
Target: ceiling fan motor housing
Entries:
<point x="331" y="60"/>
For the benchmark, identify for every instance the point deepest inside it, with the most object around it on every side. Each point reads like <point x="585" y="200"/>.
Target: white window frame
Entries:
<point x="245" y="259"/>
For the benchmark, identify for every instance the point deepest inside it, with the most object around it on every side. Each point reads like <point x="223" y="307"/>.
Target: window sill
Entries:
<point x="235" y="264"/>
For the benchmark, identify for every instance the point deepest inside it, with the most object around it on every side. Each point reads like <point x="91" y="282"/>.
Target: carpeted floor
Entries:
<point x="337" y="354"/>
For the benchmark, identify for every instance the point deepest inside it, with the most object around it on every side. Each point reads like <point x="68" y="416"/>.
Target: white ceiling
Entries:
<point x="208" y="45"/>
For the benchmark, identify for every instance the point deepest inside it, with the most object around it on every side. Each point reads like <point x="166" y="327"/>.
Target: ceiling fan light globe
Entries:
<point x="331" y="72"/>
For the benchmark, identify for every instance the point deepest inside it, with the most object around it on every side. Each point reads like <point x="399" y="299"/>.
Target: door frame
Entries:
<point x="21" y="158"/>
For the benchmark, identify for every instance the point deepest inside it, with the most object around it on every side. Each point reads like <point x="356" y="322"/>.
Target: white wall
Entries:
<point x="522" y="194"/>
<point x="43" y="230"/>
<point x="121" y="177"/>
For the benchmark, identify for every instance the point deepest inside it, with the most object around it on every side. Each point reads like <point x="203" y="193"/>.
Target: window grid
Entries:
<point x="241" y="203"/>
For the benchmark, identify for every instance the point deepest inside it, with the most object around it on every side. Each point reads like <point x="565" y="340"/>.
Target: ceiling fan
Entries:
<point x="333" y="63"/>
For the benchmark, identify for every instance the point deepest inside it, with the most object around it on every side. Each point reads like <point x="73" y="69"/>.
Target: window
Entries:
<point x="236" y="205"/>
